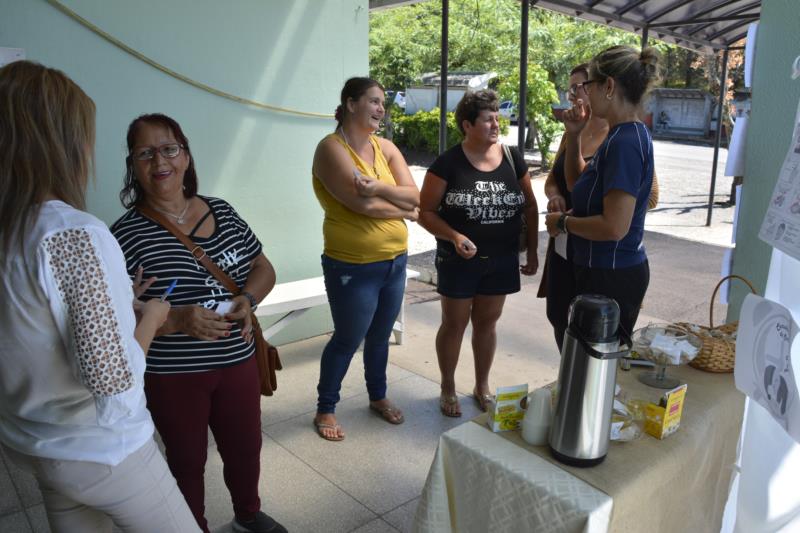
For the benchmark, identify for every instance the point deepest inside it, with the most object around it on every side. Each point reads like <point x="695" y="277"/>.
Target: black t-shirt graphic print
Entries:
<point x="484" y="206"/>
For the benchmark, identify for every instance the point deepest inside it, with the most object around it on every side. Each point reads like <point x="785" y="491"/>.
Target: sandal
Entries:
<point x="391" y="414"/>
<point x="485" y="401"/>
<point x="335" y="427"/>
<point x="449" y="406"/>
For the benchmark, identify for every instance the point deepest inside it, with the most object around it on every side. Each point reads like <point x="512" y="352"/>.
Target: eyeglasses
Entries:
<point x="169" y="151"/>
<point x="573" y="89"/>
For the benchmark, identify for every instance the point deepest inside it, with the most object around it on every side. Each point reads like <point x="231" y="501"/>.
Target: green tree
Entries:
<point x="484" y="35"/>
<point x="541" y="96"/>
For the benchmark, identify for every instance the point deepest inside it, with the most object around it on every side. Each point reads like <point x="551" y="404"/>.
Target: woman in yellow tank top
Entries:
<point x="365" y="188"/>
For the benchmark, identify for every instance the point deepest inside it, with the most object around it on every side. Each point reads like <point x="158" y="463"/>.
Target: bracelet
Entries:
<point x="251" y="299"/>
<point x="561" y="225"/>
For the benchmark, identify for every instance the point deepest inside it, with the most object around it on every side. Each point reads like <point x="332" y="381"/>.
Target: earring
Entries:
<point x="609" y="96"/>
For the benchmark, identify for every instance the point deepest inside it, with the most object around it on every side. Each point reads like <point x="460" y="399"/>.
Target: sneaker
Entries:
<point x="260" y="523"/>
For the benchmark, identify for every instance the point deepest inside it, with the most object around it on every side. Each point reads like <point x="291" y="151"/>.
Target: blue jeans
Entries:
<point x="364" y="301"/>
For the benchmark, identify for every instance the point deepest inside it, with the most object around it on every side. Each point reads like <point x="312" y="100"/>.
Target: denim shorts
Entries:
<point x="465" y="278"/>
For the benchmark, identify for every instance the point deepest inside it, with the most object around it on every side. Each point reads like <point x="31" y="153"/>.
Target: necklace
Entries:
<point x="374" y="167"/>
<point x="178" y="218"/>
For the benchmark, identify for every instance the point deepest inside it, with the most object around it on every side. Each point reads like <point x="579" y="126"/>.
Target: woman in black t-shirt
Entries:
<point x="472" y="200"/>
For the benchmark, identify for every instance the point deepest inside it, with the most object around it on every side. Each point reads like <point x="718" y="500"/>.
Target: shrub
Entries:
<point x="420" y="131"/>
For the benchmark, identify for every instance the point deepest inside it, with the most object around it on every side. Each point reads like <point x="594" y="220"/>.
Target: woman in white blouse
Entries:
<point x="72" y="407"/>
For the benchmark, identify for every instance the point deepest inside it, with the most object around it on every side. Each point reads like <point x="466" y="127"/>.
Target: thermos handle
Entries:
<point x="624" y="338"/>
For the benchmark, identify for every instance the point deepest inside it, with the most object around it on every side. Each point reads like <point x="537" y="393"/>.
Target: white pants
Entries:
<point x="137" y="495"/>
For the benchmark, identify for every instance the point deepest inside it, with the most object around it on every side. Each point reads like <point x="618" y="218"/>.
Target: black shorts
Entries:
<point x="465" y="278"/>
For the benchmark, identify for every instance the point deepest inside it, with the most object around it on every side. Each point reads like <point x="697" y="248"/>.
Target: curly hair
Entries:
<point x="471" y="105"/>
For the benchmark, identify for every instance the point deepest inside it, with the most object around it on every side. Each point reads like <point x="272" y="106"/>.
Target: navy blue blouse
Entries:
<point x="624" y="161"/>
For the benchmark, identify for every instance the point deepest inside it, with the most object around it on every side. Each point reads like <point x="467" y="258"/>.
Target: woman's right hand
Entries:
<point x="154" y="310"/>
<point x="412" y="215"/>
<point x="202" y="323"/>
<point x="464" y="247"/>
<point x="575" y="118"/>
<point x="556" y="204"/>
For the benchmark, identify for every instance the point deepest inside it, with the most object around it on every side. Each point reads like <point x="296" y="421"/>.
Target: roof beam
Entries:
<point x="738" y="11"/>
<point x="668" y="10"/>
<point x="727" y="29"/>
<point x="609" y="17"/>
<point x="630" y="6"/>
<point x="724" y="3"/>
<point x="709" y="20"/>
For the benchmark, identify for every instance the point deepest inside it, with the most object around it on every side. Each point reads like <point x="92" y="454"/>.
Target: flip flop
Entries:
<point x="391" y="414"/>
<point x="320" y="427"/>
<point x="484" y="400"/>
<point x="449" y="406"/>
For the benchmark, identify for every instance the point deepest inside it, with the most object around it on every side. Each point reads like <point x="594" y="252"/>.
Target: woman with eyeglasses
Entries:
<point x="72" y="405"/>
<point x="201" y="369"/>
<point x="610" y="192"/>
<point x="558" y="283"/>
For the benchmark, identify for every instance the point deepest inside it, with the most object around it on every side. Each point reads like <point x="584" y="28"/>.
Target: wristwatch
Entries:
<point x="561" y="225"/>
<point x="251" y="299"/>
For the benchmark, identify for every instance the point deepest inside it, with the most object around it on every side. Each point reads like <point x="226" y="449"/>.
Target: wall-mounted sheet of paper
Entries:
<point x="736" y="149"/>
<point x="7" y="55"/>
<point x="781" y="225"/>
<point x="750" y="53"/>
<point x="765" y="347"/>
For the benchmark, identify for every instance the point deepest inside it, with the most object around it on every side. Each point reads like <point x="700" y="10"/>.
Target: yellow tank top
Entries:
<point x="353" y="237"/>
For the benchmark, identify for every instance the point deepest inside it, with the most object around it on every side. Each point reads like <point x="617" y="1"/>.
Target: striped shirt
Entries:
<point x="232" y="246"/>
<point x="623" y="162"/>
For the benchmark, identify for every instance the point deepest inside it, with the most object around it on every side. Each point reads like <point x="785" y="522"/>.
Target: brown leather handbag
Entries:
<point x="266" y="354"/>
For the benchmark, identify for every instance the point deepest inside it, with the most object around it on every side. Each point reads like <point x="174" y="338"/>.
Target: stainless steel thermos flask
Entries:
<point x="579" y="433"/>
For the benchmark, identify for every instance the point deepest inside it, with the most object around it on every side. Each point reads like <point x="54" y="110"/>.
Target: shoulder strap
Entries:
<point x="197" y="251"/>
<point x="509" y="158"/>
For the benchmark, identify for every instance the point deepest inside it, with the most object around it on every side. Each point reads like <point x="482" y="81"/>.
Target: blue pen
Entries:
<point x="169" y="290"/>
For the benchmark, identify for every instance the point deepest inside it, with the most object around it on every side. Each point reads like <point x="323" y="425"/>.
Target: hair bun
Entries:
<point x="338" y="113"/>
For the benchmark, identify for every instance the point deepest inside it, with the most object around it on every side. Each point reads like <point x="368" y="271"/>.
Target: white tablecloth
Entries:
<point x="488" y="482"/>
<point x="479" y="483"/>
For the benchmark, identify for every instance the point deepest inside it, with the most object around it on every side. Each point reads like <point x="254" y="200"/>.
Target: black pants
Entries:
<point x="625" y="285"/>
<point x="560" y="292"/>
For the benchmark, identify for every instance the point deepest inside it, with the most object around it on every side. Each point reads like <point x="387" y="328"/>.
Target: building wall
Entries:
<point x="774" y="105"/>
<point x="291" y="54"/>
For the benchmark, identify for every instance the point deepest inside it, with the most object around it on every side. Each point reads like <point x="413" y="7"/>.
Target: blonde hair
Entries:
<point x="635" y="72"/>
<point x="47" y="129"/>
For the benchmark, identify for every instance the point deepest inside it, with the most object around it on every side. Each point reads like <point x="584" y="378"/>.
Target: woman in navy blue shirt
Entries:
<point x="610" y="192"/>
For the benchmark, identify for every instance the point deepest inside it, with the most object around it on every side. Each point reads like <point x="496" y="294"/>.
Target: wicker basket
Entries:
<point x="718" y="353"/>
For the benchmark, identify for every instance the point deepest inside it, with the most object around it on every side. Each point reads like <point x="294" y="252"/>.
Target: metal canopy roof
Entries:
<point x="701" y="25"/>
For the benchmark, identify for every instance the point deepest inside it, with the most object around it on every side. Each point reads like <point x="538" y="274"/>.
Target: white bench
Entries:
<point x="294" y="298"/>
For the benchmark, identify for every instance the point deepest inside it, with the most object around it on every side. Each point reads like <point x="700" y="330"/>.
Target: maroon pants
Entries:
<point x="227" y="400"/>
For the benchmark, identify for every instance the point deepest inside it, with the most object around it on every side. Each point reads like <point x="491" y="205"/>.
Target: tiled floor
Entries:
<point x="371" y="481"/>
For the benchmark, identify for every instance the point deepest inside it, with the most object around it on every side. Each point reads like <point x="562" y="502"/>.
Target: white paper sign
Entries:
<point x="764" y="346"/>
<point x="9" y="55"/>
<point x="781" y="225"/>
<point x="734" y="166"/>
<point x="560" y="243"/>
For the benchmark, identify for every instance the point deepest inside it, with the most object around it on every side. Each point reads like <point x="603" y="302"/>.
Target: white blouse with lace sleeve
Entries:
<point x="71" y="371"/>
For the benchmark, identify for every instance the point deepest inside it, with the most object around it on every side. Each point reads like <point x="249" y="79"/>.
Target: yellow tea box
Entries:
<point x="664" y="419"/>
<point x="507" y="410"/>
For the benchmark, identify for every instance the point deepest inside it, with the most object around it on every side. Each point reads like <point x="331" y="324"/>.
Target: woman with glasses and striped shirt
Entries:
<point x="201" y="371"/>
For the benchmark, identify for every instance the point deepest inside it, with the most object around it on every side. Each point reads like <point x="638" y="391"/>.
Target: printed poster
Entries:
<point x="765" y="341"/>
<point x="781" y="225"/>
